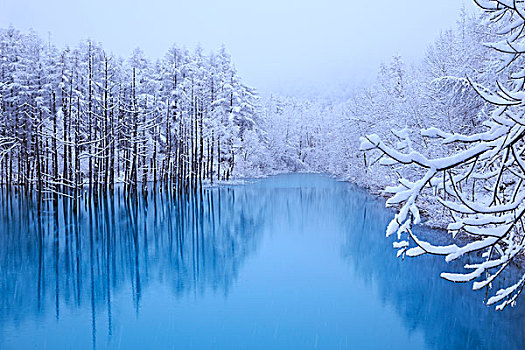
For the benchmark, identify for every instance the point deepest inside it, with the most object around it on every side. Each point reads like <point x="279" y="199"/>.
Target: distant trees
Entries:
<point x="319" y="134"/>
<point x="81" y="116"/>
<point x="480" y="176"/>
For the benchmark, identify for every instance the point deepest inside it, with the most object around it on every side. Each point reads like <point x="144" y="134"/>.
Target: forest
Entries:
<point x="79" y="117"/>
<point x="82" y="116"/>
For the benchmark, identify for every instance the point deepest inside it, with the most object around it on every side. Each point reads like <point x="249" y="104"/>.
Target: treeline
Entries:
<point x="80" y="116"/>
<point x="323" y="135"/>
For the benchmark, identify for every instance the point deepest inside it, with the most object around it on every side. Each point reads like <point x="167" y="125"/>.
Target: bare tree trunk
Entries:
<point x="90" y="118"/>
<point x="201" y="157"/>
<point x="64" y="135"/>
<point x="55" y="151"/>
<point x="144" y="151"/>
<point x="153" y="163"/>
<point x="167" y="158"/>
<point x="78" y="175"/>
<point x="107" y="134"/>
<point x="218" y="159"/>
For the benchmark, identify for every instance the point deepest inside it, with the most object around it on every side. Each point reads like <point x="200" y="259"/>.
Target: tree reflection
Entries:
<point x="123" y="247"/>
<point x="450" y="315"/>
<point x="74" y="256"/>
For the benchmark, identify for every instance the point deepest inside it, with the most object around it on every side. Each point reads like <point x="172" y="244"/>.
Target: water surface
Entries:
<point x="288" y="262"/>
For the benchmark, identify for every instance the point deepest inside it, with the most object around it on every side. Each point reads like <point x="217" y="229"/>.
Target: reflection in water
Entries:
<point x="51" y="258"/>
<point x="452" y="316"/>
<point x="296" y="261"/>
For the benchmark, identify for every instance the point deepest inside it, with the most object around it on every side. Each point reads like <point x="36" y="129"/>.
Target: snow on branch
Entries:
<point x="479" y="182"/>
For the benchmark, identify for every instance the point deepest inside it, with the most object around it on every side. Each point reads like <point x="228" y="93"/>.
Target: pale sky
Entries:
<point x="276" y="45"/>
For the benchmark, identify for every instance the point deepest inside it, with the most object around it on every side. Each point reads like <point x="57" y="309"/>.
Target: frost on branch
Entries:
<point x="480" y="183"/>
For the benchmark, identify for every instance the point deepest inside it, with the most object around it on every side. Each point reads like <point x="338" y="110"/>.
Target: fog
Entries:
<point x="282" y="46"/>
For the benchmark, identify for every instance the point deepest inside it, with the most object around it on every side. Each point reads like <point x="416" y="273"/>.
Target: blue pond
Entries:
<point x="289" y="262"/>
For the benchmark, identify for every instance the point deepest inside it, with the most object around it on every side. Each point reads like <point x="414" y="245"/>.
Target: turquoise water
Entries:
<point x="288" y="262"/>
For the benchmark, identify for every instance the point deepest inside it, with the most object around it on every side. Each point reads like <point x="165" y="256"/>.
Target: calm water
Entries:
<point x="289" y="262"/>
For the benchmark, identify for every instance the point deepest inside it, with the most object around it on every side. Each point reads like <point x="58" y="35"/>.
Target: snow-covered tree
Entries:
<point x="81" y="116"/>
<point x="480" y="180"/>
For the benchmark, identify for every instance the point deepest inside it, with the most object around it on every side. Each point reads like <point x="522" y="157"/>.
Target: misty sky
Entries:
<point x="277" y="45"/>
